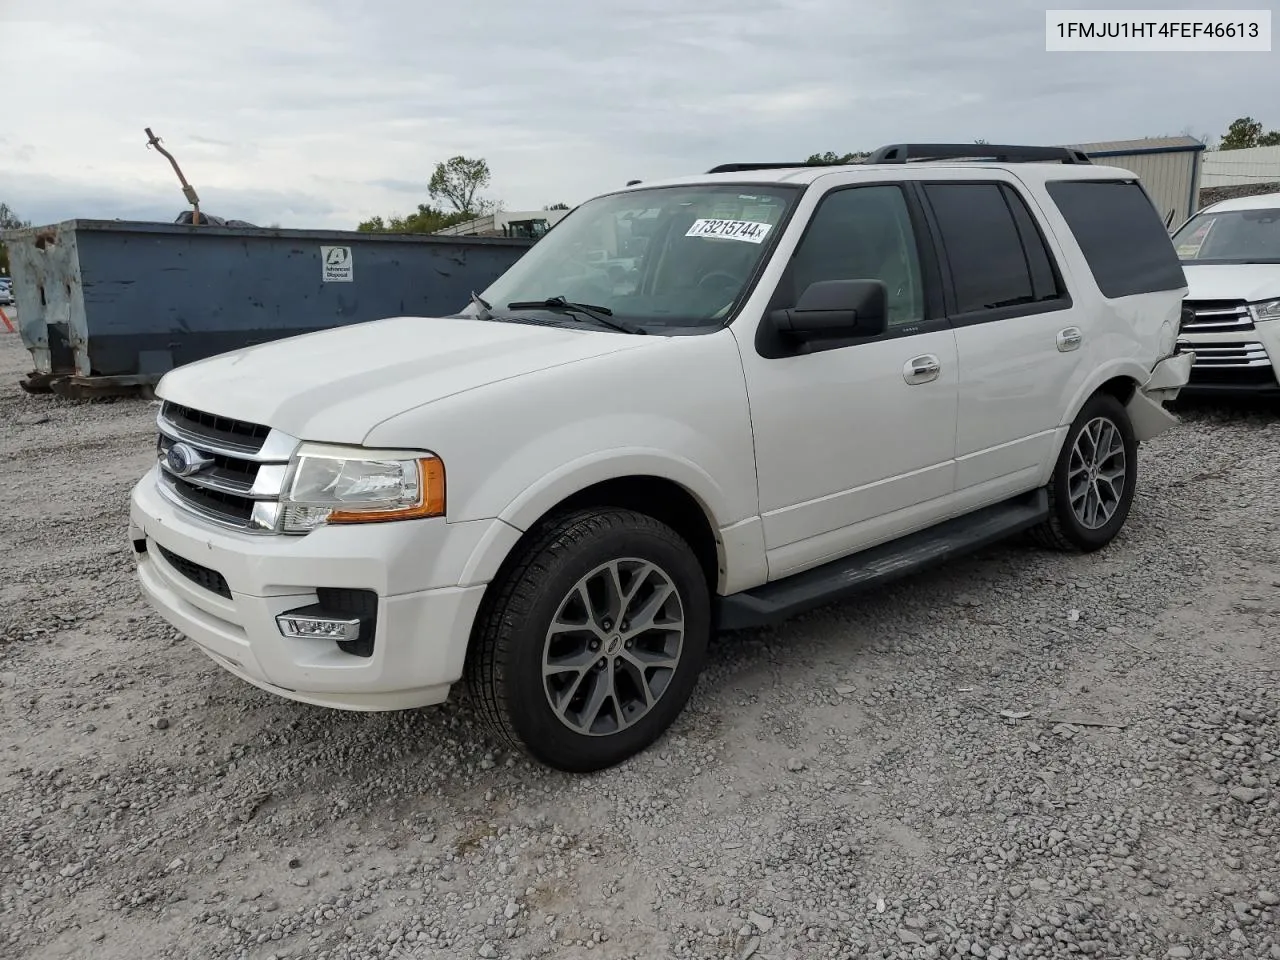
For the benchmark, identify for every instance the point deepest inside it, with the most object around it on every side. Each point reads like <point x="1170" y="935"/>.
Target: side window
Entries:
<point x="995" y="250"/>
<point x="864" y="233"/>
<point x="1120" y="234"/>
<point x="1045" y="283"/>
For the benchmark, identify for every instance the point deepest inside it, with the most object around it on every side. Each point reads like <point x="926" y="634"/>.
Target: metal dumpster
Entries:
<point x="108" y="306"/>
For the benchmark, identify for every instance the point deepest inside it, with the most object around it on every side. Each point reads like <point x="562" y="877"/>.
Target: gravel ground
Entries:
<point x="1021" y="755"/>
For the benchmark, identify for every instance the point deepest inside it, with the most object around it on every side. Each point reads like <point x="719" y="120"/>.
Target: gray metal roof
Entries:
<point x="1145" y="145"/>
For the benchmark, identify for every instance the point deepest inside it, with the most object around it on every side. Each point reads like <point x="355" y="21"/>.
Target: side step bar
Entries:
<point x="775" y="602"/>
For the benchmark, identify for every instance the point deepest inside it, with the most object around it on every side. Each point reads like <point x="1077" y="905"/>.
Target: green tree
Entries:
<point x="838" y="158"/>
<point x="1248" y="132"/>
<point x="426" y="219"/>
<point x="557" y="206"/>
<point x="455" y="186"/>
<point x="9" y="220"/>
<point x="458" y="180"/>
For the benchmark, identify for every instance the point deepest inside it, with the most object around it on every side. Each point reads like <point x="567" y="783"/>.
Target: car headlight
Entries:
<point x="1267" y="310"/>
<point x="333" y="485"/>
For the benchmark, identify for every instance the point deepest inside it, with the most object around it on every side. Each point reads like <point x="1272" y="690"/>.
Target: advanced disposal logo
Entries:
<point x="338" y="265"/>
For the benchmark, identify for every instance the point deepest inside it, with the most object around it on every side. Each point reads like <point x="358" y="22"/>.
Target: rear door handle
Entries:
<point x="1069" y="339"/>
<point x="922" y="369"/>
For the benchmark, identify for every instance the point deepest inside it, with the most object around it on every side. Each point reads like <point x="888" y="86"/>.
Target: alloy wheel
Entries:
<point x="613" y="646"/>
<point x="1096" y="473"/>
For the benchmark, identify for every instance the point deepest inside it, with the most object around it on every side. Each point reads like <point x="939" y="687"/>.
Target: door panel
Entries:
<point x="842" y="438"/>
<point x="1012" y="380"/>
<point x="1019" y="337"/>
<point x="857" y="438"/>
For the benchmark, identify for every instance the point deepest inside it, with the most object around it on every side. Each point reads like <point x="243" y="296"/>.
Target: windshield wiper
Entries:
<point x="559" y="304"/>
<point x="483" y="310"/>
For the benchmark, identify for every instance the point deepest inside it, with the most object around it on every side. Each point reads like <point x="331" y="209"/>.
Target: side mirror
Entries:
<point x="833" y="309"/>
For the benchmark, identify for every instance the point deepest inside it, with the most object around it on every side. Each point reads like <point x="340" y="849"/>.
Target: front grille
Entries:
<point x="1245" y="363"/>
<point x="228" y="506"/>
<point x="239" y="470"/>
<point x="226" y="474"/>
<point x="221" y="431"/>
<point x="1215" y="316"/>
<point x="210" y="580"/>
<point x="1231" y="355"/>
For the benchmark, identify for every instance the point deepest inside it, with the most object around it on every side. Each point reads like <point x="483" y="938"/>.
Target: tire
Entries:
<point x="1078" y="519"/>
<point x="539" y="587"/>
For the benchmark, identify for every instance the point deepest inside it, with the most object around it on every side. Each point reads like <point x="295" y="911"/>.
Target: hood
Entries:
<point x="1232" y="281"/>
<point x="336" y="385"/>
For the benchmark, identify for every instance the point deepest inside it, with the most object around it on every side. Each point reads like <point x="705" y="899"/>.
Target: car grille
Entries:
<point x="1216" y="316"/>
<point x="1231" y="363"/>
<point x="241" y="469"/>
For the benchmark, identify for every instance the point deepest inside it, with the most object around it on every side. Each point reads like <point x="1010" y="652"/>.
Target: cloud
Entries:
<point x="47" y="199"/>
<point x="414" y="187"/>
<point x="319" y="113"/>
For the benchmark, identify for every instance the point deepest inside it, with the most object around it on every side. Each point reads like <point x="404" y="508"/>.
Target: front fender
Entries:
<point x="675" y="409"/>
<point x="585" y="471"/>
<point x="538" y="499"/>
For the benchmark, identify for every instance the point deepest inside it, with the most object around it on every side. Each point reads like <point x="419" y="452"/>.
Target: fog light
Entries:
<point x="312" y="623"/>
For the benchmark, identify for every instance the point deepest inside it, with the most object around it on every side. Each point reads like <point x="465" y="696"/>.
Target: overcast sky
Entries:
<point x="319" y="113"/>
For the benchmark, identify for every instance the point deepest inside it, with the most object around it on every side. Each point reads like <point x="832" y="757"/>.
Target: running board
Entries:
<point x="839" y="579"/>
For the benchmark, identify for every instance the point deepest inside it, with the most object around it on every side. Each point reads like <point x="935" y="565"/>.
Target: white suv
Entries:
<point x="804" y="381"/>
<point x="1231" y="255"/>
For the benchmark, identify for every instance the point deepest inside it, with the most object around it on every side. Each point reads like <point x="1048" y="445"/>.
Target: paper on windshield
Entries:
<point x="748" y="230"/>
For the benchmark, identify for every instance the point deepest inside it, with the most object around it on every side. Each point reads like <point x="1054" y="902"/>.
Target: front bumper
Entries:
<point x="424" y="616"/>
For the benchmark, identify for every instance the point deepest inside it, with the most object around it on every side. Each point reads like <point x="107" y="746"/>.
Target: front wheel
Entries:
<point x="592" y="639"/>
<point x="1094" y="479"/>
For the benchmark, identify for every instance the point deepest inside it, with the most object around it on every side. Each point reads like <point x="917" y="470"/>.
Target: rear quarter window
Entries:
<point x="1120" y="234"/>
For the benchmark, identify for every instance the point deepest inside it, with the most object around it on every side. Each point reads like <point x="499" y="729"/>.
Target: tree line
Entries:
<point x="1247" y="132"/>
<point x="456" y="191"/>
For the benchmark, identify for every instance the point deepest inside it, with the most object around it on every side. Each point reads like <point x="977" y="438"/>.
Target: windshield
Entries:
<point x="660" y="257"/>
<point x="1235" y="236"/>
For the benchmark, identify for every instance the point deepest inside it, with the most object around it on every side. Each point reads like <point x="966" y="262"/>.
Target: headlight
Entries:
<point x="1267" y="310"/>
<point x="331" y="485"/>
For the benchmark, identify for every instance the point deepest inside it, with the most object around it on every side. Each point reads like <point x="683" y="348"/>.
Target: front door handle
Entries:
<point x="922" y="369"/>
<point x="1069" y="339"/>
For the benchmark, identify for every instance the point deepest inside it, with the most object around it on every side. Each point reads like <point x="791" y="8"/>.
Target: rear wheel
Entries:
<point x="1094" y="479"/>
<point x="592" y="639"/>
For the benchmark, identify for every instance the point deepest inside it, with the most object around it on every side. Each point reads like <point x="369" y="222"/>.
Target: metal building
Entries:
<point x="1169" y="167"/>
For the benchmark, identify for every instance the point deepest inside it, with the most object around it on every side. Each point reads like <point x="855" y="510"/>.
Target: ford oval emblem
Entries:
<point x="184" y="460"/>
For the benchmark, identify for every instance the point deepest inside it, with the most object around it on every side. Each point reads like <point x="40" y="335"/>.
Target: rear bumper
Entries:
<point x="224" y="591"/>
<point x="1146" y="407"/>
<point x="1170" y="375"/>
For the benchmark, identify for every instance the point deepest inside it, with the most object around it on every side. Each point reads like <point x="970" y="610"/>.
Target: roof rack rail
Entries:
<point x="741" y="167"/>
<point x="1001" y="152"/>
